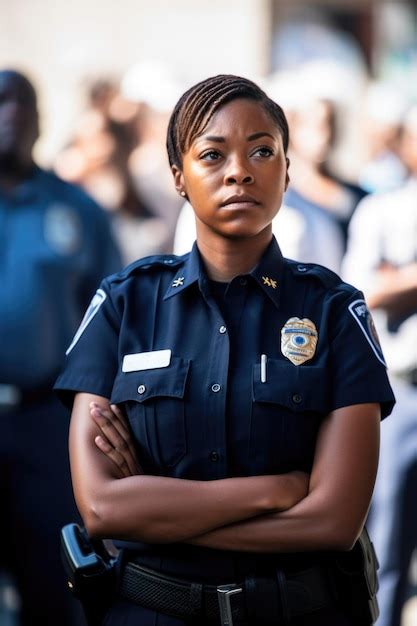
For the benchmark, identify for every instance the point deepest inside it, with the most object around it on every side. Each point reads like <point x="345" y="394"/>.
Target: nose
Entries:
<point x="238" y="173"/>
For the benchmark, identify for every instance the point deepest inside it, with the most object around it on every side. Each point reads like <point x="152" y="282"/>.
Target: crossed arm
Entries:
<point x="394" y="289"/>
<point x="282" y="513"/>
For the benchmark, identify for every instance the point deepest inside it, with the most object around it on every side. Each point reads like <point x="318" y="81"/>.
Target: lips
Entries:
<point x="240" y="199"/>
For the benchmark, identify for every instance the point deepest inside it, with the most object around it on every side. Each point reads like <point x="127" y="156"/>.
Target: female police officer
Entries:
<point x="253" y="387"/>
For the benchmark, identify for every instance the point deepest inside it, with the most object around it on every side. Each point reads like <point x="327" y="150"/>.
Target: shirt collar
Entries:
<point x="267" y="274"/>
<point x="190" y="272"/>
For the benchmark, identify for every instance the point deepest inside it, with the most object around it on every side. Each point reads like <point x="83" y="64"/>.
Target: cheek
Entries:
<point x="198" y="180"/>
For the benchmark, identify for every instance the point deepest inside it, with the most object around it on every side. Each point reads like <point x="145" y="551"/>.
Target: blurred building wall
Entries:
<point x="58" y="42"/>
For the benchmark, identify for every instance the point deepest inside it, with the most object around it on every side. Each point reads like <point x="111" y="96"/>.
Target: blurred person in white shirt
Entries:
<point x="382" y="260"/>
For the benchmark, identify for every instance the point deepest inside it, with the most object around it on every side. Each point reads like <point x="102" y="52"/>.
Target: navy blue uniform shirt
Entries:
<point x="200" y="409"/>
<point x="56" y="247"/>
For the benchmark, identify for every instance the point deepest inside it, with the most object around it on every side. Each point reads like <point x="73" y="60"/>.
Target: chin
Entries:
<point x="244" y="232"/>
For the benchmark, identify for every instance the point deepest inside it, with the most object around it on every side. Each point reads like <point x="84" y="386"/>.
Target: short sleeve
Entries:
<point x="358" y="369"/>
<point x="92" y="357"/>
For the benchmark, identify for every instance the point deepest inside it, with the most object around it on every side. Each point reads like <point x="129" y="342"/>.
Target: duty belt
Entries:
<point x="273" y="600"/>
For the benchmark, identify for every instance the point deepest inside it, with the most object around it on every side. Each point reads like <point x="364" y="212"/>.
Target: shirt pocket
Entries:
<point x="154" y="404"/>
<point x="286" y="413"/>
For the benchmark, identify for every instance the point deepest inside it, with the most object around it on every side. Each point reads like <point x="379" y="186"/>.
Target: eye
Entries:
<point x="210" y="155"/>
<point x="263" y="151"/>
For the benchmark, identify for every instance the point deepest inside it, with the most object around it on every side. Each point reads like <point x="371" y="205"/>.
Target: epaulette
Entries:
<point x="149" y="263"/>
<point x="312" y="270"/>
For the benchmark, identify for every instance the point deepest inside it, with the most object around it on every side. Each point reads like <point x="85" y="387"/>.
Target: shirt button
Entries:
<point x="214" y="456"/>
<point x="243" y="281"/>
<point x="216" y="387"/>
<point x="301" y="268"/>
<point x="222" y="329"/>
<point x="141" y="389"/>
<point x="297" y="399"/>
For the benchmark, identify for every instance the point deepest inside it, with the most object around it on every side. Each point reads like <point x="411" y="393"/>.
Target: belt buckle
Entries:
<point x="224" y="593"/>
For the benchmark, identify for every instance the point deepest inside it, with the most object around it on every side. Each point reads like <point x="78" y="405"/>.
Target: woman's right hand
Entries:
<point x="282" y="491"/>
<point x="115" y="440"/>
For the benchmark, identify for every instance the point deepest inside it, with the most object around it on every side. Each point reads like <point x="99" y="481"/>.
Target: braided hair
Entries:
<point x="196" y="107"/>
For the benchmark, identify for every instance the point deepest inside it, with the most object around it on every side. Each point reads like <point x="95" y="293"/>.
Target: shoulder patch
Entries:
<point x="363" y="318"/>
<point x="92" y="310"/>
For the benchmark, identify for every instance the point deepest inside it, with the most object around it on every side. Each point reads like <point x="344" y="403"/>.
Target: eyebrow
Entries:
<point x="218" y="139"/>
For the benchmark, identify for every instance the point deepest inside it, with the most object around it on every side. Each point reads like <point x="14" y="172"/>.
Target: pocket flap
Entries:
<point x="143" y="385"/>
<point x="299" y="387"/>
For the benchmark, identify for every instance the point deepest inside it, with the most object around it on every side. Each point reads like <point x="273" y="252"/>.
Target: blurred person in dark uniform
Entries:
<point x="56" y="245"/>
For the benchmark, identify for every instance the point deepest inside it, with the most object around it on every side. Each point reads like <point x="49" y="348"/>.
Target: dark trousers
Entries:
<point x="124" y="613"/>
<point x="36" y="501"/>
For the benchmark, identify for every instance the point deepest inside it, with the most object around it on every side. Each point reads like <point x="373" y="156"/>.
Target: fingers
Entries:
<point x="103" y="444"/>
<point x="111" y="423"/>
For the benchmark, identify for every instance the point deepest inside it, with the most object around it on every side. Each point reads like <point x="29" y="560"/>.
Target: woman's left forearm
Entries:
<point x="305" y="527"/>
<point x="332" y="515"/>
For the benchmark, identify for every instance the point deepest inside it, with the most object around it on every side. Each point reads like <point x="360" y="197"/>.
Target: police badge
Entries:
<point x="299" y="340"/>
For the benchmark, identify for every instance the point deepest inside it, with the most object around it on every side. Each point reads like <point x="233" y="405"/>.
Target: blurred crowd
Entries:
<point x="116" y="152"/>
<point x="359" y="221"/>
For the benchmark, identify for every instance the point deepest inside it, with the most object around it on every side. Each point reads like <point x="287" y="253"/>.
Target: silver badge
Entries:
<point x="299" y="340"/>
<point x="62" y="229"/>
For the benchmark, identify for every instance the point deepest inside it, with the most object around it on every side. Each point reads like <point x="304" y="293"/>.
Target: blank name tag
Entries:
<point x="146" y="360"/>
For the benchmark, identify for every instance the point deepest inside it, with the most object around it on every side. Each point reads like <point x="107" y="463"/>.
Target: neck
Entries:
<point x="13" y="171"/>
<point x="226" y="258"/>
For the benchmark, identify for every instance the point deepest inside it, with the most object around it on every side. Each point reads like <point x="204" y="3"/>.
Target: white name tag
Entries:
<point x="146" y="360"/>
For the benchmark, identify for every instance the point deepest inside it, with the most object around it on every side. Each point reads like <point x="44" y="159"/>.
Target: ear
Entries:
<point x="287" y="176"/>
<point x="178" y="180"/>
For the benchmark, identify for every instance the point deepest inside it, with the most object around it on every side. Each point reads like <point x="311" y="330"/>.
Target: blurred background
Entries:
<point x="108" y="75"/>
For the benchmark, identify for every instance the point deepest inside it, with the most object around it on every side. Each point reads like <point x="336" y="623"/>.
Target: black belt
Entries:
<point x="257" y="600"/>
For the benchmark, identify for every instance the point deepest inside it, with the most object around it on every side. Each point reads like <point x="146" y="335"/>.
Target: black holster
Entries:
<point x="356" y="581"/>
<point x="91" y="572"/>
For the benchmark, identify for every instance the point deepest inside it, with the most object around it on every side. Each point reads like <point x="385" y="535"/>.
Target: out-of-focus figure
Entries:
<point x="314" y="186"/>
<point x="382" y="260"/>
<point x="56" y="245"/>
<point x="97" y="158"/>
<point x="153" y="87"/>
<point x="384" y="111"/>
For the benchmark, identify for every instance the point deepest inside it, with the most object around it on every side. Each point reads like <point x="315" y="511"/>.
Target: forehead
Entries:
<point x="241" y="114"/>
